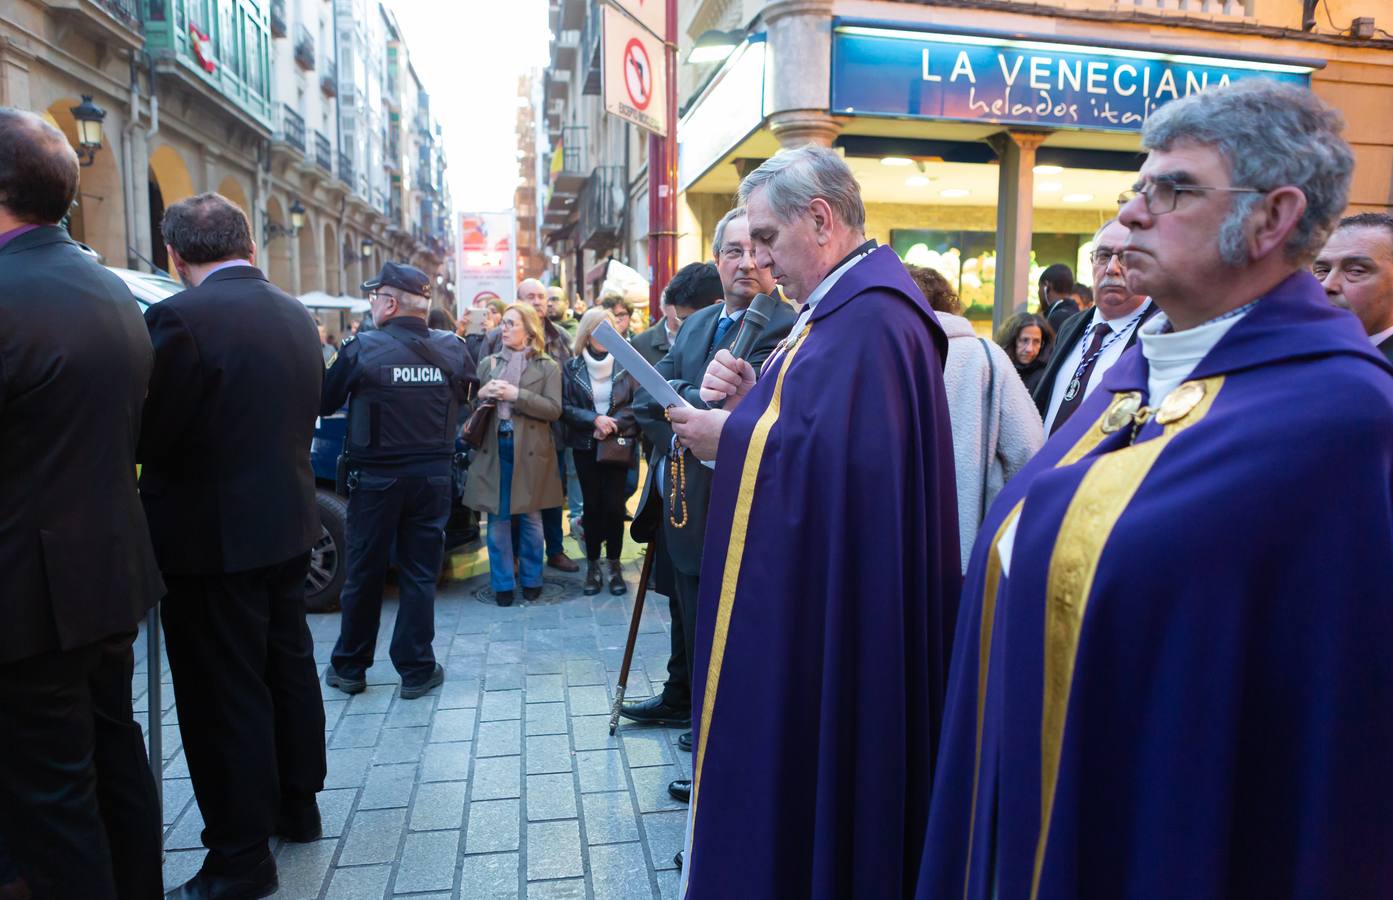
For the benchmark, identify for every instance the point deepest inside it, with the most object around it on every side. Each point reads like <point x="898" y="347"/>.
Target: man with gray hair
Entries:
<point x="1172" y="676"/>
<point x="831" y="569"/>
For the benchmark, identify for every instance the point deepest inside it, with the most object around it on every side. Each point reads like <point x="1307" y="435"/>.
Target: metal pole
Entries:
<point x="152" y="698"/>
<point x="662" y="179"/>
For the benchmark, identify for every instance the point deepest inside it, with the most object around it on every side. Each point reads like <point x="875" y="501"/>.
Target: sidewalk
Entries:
<point x="503" y="783"/>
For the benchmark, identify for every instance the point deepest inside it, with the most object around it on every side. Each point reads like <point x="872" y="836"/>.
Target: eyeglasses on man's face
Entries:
<point x="1161" y="195"/>
<point x="1102" y="256"/>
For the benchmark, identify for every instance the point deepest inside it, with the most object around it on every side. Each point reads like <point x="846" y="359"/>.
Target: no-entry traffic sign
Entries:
<point x="635" y="72"/>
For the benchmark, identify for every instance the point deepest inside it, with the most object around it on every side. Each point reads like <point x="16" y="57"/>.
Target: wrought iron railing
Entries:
<point x="292" y="127"/>
<point x="304" y="48"/>
<point x="279" y="28"/>
<point x="323" y="152"/>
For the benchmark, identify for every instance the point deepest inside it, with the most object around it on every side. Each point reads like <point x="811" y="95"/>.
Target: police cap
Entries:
<point x="401" y="276"/>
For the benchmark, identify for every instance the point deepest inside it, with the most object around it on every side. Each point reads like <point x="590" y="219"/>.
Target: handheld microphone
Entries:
<point x="752" y="324"/>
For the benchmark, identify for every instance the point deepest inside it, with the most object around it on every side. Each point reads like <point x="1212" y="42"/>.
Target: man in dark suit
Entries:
<point x="703" y="333"/>
<point x="1090" y="342"/>
<point x="78" y="807"/>
<point x="699" y="288"/>
<point x="229" y="493"/>
<point x="1356" y="270"/>
<point x="1056" y="290"/>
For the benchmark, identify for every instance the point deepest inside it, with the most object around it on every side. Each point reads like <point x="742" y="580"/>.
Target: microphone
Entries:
<point x="752" y="324"/>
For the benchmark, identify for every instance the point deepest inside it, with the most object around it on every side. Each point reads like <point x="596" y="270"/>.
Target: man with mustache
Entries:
<point x="1091" y="341"/>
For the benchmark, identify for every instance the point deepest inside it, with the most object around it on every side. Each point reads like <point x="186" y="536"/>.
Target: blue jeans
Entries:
<point x="551" y="518"/>
<point x="575" y="500"/>
<point x="500" y="531"/>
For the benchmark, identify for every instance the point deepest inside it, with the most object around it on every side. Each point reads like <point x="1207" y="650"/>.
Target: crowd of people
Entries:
<point x="950" y="617"/>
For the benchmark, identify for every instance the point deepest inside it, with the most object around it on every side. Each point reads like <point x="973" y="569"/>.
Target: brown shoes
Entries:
<point x="563" y="562"/>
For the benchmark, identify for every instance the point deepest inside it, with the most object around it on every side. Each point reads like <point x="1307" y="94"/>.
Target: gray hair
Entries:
<point x="1270" y="135"/>
<point x="1102" y="228"/>
<point x="414" y="303"/>
<point x="719" y="240"/>
<point x="795" y="178"/>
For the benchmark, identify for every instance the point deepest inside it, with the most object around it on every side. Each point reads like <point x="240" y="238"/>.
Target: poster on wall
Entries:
<point x="486" y="259"/>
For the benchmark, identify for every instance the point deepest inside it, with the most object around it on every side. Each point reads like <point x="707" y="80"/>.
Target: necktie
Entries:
<point x="722" y="329"/>
<point x="1074" y="391"/>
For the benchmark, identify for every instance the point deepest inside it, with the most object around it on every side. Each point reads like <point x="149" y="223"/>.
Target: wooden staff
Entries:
<point x="633" y="636"/>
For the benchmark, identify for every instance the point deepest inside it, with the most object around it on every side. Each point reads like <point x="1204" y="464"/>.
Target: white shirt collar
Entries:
<point x="1121" y="321"/>
<point x="826" y="284"/>
<point x="728" y="313"/>
<point x="1382" y="336"/>
<point x="227" y="264"/>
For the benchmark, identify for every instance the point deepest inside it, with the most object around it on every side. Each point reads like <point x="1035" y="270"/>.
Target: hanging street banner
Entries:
<point x="651" y="14"/>
<point x="635" y="72"/>
<point x="908" y="73"/>
<point x="485" y="264"/>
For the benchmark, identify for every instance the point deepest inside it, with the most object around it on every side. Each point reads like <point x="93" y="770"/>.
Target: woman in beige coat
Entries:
<point x="514" y="476"/>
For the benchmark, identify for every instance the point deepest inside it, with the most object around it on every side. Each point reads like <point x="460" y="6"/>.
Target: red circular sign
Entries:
<point x="638" y="74"/>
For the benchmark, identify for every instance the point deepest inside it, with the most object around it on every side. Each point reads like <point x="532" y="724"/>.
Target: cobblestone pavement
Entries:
<point x="503" y="783"/>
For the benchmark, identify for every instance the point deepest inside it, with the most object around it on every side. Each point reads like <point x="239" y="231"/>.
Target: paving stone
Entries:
<point x="553" y="850"/>
<point x="333" y="711"/>
<point x="650" y="788"/>
<point x="452" y="725"/>
<point x="376" y="699"/>
<point x="493" y="826"/>
<point x="360" y="883"/>
<point x="497" y="778"/>
<point x="545" y="689"/>
<point x="666" y="833"/>
<point x="334" y="808"/>
<point x="565" y="889"/>
<point x="347" y="768"/>
<point x="584" y="671"/>
<point x="545" y="663"/>
<point x="647" y="747"/>
<point x="548" y="753"/>
<point x="505" y="651"/>
<point x="445" y="762"/>
<point x="427" y="862"/>
<point x="501" y="705"/>
<point x="400" y="745"/>
<point x="494" y="877"/>
<point x="177" y="794"/>
<point x="181" y="865"/>
<point x="187" y="833"/>
<point x="303" y="868"/>
<point x="669" y="883"/>
<point x="506" y="677"/>
<point x="499" y="738"/>
<point x="388" y="786"/>
<point x="373" y="836"/>
<point x="592" y="733"/>
<point x="438" y="806"/>
<point x="589" y="700"/>
<point x="546" y="718"/>
<point x="412" y="713"/>
<point x="550" y="797"/>
<point x="610" y="818"/>
<point x="619" y="872"/>
<point x="382" y="671"/>
<point x="357" y="731"/>
<point x="463" y="694"/>
<point x="601" y="771"/>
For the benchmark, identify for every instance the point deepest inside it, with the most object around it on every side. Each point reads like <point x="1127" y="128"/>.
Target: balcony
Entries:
<point x="104" y="20"/>
<point x="564" y="50"/>
<point x="573" y="14"/>
<point x="568" y="175"/>
<point x="292" y="129"/>
<point x="279" y="28"/>
<point x="345" y="168"/>
<point x="590" y="60"/>
<point x="600" y="215"/>
<point x="323" y="152"/>
<point x="329" y="79"/>
<point x="221" y="49"/>
<point x="304" y="48"/>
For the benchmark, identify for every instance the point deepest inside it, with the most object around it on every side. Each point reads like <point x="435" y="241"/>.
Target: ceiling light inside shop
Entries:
<point x="1049" y="187"/>
<point x="896" y="161"/>
<point x="916" y="180"/>
<point x="1077" y="198"/>
<point x="1048" y="170"/>
<point x="954" y="192"/>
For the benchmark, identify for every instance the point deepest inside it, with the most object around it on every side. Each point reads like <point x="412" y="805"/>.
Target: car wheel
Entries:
<point x="328" y="563"/>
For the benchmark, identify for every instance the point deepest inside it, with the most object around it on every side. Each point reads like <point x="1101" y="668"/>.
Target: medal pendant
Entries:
<point x="1072" y="390"/>
<point x="1124" y="408"/>
<point x="1180" y="402"/>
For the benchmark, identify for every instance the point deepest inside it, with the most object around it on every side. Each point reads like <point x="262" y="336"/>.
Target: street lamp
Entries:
<point x="714" y="46"/>
<point x="297" y="218"/>
<point x="88" y="116"/>
<point x="297" y="215"/>
<point x="366" y="247"/>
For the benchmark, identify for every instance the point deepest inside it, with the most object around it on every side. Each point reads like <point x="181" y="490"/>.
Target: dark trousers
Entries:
<point x="603" y="487"/>
<point x="250" y="713"/>
<point x="551" y="518"/>
<point x="408" y="511"/>
<point x="682" y="605"/>
<point x="77" y="799"/>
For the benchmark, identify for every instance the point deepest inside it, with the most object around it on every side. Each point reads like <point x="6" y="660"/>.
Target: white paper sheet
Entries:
<point x="632" y="362"/>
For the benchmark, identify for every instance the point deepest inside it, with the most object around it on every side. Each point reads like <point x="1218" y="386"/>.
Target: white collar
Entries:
<point x="1382" y="336"/>
<point x="728" y="313"/>
<point x="826" y="284"/>
<point x="1121" y="322"/>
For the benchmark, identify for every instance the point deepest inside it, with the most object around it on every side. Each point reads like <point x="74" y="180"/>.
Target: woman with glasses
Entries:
<point x="1027" y="339"/>
<point x="513" y="476"/>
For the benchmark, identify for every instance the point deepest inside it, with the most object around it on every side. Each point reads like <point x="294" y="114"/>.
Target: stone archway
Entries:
<point x="275" y="252"/>
<point x="98" y="217"/>
<point x="311" y="272"/>
<point x="333" y="261"/>
<point x="231" y="188"/>
<point x="170" y="182"/>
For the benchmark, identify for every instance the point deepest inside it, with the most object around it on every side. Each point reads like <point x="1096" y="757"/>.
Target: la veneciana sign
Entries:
<point x="884" y="71"/>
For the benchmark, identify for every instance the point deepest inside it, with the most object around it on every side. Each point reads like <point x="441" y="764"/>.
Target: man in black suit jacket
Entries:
<point x="1089" y="342"/>
<point x="1356" y="270"/>
<point x="703" y="333"/>
<point x="229" y="492"/>
<point x="78" y="807"/>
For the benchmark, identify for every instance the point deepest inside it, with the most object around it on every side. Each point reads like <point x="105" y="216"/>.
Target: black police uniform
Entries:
<point x="405" y="384"/>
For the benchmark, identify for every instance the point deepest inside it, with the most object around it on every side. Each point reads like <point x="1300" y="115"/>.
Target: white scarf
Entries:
<point x="601" y="380"/>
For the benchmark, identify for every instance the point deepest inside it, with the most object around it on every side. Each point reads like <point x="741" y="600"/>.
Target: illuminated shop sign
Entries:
<point x="882" y="71"/>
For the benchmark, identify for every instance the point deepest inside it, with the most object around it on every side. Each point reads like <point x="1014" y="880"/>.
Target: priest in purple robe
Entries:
<point x="831" y="570"/>
<point x="1172" y="674"/>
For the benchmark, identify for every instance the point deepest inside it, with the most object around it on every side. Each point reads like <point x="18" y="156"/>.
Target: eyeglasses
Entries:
<point x="378" y="295"/>
<point x="1103" y="256"/>
<point x="1160" y="196"/>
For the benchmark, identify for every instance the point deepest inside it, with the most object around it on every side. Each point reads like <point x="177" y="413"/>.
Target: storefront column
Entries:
<point x="798" y="93"/>
<point x="804" y="126"/>
<point x="1015" y="216"/>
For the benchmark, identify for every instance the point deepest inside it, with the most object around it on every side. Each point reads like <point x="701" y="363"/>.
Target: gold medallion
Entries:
<point x="1180" y="401"/>
<point x="1120" y="414"/>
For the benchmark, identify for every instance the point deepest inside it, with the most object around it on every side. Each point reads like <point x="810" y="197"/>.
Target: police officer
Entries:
<point x="405" y="385"/>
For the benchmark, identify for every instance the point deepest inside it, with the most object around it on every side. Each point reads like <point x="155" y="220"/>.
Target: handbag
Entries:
<point x="477" y="426"/>
<point x="617" y="451"/>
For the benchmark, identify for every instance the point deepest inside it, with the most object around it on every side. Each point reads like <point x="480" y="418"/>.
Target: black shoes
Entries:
<point x="684" y="741"/>
<point x="343" y="683"/>
<point x="678" y="859"/>
<point x="251" y="885"/>
<point x="616" y="579"/>
<point x="503" y="598"/>
<point x="594" y="580"/>
<point x="300" y="823"/>
<point x="681" y="789"/>
<point x="436" y="679"/>
<point x="656" y="712"/>
<point x="532" y="593"/>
